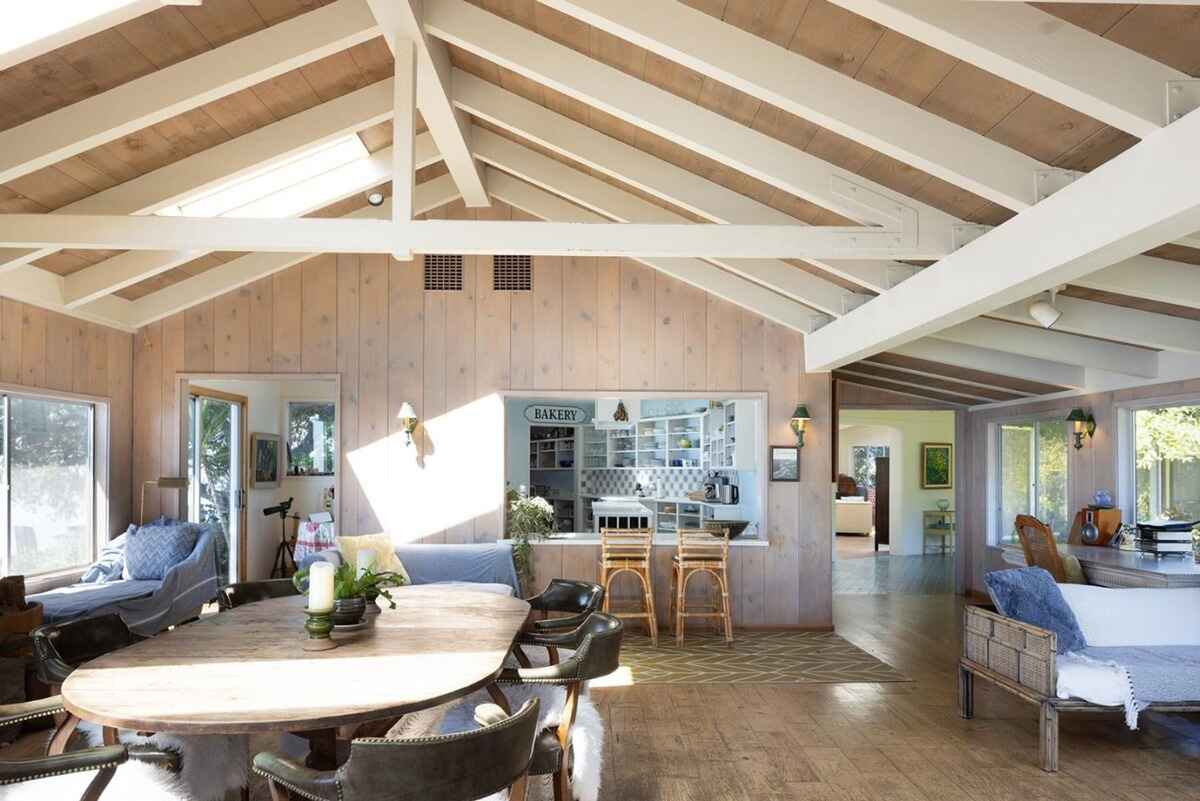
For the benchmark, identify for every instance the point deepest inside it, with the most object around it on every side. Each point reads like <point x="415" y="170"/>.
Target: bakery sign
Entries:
<point x="553" y="414"/>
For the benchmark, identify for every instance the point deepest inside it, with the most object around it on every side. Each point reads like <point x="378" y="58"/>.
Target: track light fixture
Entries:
<point x="1045" y="312"/>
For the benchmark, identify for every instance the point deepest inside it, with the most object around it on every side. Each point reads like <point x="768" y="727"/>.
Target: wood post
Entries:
<point x="1048" y="736"/>
<point x="966" y="693"/>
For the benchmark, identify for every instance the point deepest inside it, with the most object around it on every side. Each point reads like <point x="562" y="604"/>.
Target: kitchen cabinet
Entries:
<point x="730" y="436"/>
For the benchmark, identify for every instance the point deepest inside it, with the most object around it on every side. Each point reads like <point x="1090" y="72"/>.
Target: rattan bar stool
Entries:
<point x="628" y="551"/>
<point x="700" y="550"/>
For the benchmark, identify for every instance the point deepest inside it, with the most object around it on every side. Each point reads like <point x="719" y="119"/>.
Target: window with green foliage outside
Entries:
<point x="310" y="438"/>
<point x="1167" y="463"/>
<point x="1032" y="474"/>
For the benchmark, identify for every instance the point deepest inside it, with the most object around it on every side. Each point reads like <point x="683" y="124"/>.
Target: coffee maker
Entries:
<point x="711" y="493"/>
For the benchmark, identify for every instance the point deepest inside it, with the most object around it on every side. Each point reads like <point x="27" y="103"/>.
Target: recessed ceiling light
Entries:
<point x="375" y="198"/>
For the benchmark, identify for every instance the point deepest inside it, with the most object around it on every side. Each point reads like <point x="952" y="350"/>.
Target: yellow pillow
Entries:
<point x="381" y="544"/>
<point x="1073" y="570"/>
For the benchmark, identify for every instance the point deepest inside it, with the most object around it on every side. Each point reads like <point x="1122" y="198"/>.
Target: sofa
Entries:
<point x="1140" y="650"/>
<point x="482" y="566"/>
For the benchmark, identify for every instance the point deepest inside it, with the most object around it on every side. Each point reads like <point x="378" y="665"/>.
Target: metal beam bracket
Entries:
<point x="1048" y="181"/>
<point x="877" y="208"/>
<point x="1183" y="97"/>
<point x="965" y="233"/>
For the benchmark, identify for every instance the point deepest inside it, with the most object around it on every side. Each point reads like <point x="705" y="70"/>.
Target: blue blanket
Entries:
<point x="1156" y="674"/>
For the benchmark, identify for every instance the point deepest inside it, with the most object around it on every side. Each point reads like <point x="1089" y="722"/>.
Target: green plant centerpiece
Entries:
<point x="528" y="520"/>
<point x="353" y="594"/>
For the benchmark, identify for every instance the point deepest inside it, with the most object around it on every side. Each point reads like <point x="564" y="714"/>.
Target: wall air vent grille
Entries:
<point x="443" y="273"/>
<point x="512" y="273"/>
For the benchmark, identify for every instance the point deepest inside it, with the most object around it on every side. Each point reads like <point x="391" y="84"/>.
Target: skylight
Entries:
<point x="305" y="182"/>
<point x="43" y="20"/>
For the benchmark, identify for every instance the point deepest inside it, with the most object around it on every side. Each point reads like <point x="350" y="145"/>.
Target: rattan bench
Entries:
<point x="1023" y="660"/>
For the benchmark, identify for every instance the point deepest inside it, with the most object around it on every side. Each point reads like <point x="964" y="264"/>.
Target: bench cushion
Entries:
<point x="1135" y="616"/>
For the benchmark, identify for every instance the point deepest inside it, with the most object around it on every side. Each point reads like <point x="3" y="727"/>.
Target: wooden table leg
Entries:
<point x="499" y="698"/>
<point x="322" y="748"/>
<point x="110" y="736"/>
<point x="58" y="742"/>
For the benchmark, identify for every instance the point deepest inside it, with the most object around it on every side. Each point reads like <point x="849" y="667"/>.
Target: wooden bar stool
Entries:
<point x="700" y="550"/>
<point x="628" y="551"/>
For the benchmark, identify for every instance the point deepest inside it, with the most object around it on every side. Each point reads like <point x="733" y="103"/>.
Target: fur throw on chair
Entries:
<point x="210" y="765"/>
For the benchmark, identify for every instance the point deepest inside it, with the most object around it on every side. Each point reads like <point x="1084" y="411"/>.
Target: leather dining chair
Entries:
<point x="59" y="648"/>
<point x="247" y="592"/>
<point x="573" y="600"/>
<point x="103" y="759"/>
<point x="597" y="652"/>
<point x="451" y="767"/>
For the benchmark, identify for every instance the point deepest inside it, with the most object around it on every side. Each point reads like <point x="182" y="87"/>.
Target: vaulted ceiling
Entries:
<point x="586" y="111"/>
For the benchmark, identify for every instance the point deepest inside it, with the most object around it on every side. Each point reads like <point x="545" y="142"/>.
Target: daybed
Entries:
<point x="1141" y="651"/>
<point x="146" y="606"/>
<point x="485" y="566"/>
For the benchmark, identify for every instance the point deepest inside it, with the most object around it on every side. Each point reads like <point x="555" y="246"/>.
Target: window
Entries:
<point x="862" y="457"/>
<point x="47" y="484"/>
<point x="1032" y="473"/>
<point x="310" y="438"/>
<point x="1167" y="463"/>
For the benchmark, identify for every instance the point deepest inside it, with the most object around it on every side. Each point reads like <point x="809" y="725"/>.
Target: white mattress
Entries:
<point x="1096" y="682"/>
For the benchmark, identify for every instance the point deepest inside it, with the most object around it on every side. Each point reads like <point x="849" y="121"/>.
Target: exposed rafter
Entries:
<point x="664" y="114"/>
<point x="401" y="18"/>
<point x="817" y="93"/>
<point x="252" y="151"/>
<point x="1027" y="368"/>
<point x="698" y="273"/>
<point x="43" y="288"/>
<point x="904" y="389"/>
<point x="963" y="375"/>
<point x="972" y="391"/>
<point x="404" y="126"/>
<point x="1038" y="51"/>
<point x="1136" y="201"/>
<point x="616" y="204"/>
<point x="1106" y="321"/>
<point x="184" y="86"/>
<point x="1148" y="278"/>
<point x="645" y="172"/>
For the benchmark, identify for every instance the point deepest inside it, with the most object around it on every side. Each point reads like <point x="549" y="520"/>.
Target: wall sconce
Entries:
<point x="1084" y="423"/>
<point x="408" y="419"/>
<point x="800" y="418"/>
<point x="164" y="482"/>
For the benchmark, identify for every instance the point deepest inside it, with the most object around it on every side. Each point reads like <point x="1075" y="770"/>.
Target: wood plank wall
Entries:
<point x="41" y="349"/>
<point x="589" y="324"/>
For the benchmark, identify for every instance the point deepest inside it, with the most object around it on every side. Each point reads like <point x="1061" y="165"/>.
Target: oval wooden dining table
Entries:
<point x="244" y="670"/>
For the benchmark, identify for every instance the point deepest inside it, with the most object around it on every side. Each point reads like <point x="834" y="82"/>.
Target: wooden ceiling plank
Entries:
<point x="664" y="114"/>
<point x="962" y="375"/>
<point x="169" y="92"/>
<point x="987" y="360"/>
<point x="904" y="389"/>
<point x="1038" y="51"/>
<point x="956" y="387"/>
<point x="825" y="96"/>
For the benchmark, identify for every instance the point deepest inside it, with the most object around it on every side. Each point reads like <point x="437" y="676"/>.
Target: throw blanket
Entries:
<point x="111" y="563"/>
<point x="1158" y="674"/>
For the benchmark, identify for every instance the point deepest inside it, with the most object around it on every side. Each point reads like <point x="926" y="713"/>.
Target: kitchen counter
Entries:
<point x="1112" y="567"/>
<point x="666" y="499"/>
<point x="661" y="539"/>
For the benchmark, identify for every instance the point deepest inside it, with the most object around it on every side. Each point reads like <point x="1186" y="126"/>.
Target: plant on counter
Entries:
<point x="528" y="519"/>
<point x="347" y="584"/>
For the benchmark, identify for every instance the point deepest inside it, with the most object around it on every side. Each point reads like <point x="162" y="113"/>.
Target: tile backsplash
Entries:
<point x="673" y="481"/>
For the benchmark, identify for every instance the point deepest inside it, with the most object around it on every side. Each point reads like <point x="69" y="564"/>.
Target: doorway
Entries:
<point x="216" y="441"/>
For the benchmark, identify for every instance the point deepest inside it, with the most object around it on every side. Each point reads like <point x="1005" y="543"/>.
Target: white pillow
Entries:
<point x="1135" y="616"/>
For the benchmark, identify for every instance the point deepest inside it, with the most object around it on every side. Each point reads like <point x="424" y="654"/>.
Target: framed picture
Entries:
<point x="785" y="463"/>
<point x="937" y="465"/>
<point x="264" y="460"/>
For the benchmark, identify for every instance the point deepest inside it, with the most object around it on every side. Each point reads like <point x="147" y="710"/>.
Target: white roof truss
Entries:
<point x="1106" y="321"/>
<point x="995" y="361"/>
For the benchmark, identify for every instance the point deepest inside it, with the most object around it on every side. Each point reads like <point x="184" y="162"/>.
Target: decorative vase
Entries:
<point x="349" y="611"/>
<point x="943" y="505"/>
<point x="1103" y="499"/>
<point x="1088" y="533"/>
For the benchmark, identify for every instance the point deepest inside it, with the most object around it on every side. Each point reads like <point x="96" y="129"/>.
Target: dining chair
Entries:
<point x="103" y="759"/>
<point x="629" y="551"/>
<point x="700" y="550"/>
<point x="573" y="600"/>
<point x="232" y="596"/>
<point x="597" y="652"/>
<point x="1037" y="541"/>
<point x="59" y="648"/>
<point x="451" y="767"/>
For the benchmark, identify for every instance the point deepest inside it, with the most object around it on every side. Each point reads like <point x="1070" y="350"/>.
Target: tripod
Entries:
<point x="285" y="551"/>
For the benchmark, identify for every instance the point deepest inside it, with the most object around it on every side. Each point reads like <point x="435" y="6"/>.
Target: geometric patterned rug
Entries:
<point x="756" y="657"/>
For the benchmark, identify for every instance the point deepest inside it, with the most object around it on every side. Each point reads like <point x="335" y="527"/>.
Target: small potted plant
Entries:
<point x="352" y="593"/>
<point x="528" y="519"/>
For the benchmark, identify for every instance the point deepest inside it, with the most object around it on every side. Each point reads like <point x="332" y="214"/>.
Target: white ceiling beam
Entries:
<point x="42" y="288"/>
<point x="697" y="273"/>
<point x="1106" y="321"/>
<point x="664" y="114"/>
<point x="704" y="240"/>
<point x="1138" y="200"/>
<point x="984" y="332"/>
<point x="814" y="92"/>
<point x="127" y="269"/>
<point x="645" y="172"/>
<point x="998" y="362"/>
<point x="621" y="206"/>
<point x="256" y="150"/>
<point x="76" y="28"/>
<point x="184" y="86"/>
<point x="1039" y="51"/>
<point x="404" y="126"/>
<point x="251" y="267"/>
<point x="449" y="126"/>
<point x="1150" y="279"/>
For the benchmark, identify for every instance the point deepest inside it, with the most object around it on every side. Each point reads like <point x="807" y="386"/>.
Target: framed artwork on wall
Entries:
<point x="785" y="463"/>
<point x="265" y="451"/>
<point x="937" y="465"/>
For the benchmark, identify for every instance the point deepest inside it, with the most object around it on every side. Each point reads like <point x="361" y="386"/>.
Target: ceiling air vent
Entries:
<point x="512" y="273"/>
<point x="443" y="273"/>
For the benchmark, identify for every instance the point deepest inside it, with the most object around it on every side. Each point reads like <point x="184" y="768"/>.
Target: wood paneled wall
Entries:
<point x="41" y="349"/>
<point x="589" y="324"/>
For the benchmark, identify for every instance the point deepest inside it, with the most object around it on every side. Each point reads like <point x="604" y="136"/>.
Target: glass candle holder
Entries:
<point x="318" y="624"/>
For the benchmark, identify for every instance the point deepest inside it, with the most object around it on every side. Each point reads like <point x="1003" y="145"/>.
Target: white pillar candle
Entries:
<point x="320" y="587"/>
<point x="365" y="560"/>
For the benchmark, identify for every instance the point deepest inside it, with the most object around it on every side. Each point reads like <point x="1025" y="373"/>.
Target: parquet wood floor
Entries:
<point x="881" y="572"/>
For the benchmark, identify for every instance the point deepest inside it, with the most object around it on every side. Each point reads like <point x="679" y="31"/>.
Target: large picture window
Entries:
<point x="863" y="458"/>
<point x="1032" y="473"/>
<point x="1167" y="463"/>
<point x="47" y="484"/>
<point x="310" y="438"/>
